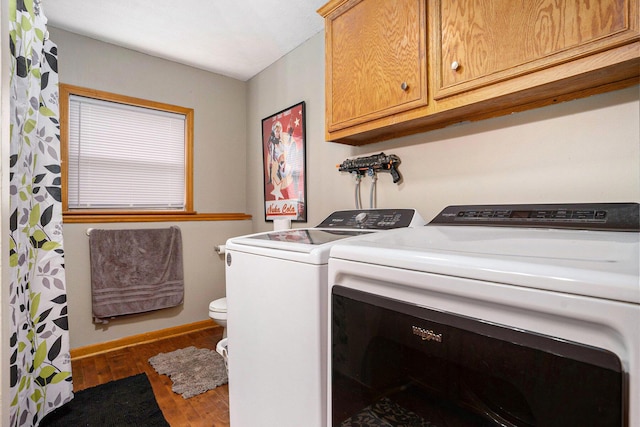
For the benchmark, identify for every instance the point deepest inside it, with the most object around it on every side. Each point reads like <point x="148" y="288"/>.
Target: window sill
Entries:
<point x="77" y="218"/>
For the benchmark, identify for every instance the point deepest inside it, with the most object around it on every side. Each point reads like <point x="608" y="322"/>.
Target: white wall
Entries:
<point x="586" y="150"/>
<point x="219" y="105"/>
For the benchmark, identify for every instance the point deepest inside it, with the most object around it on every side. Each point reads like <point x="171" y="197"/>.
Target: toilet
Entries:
<point x="218" y="312"/>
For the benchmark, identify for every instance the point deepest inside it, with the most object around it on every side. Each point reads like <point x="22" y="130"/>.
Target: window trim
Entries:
<point x="112" y="215"/>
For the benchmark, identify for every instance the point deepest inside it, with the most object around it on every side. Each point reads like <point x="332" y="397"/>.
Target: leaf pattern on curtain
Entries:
<point x="40" y="366"/>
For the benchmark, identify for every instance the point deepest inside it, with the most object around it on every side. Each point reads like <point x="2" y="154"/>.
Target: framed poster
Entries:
<point x="284" y="164"/>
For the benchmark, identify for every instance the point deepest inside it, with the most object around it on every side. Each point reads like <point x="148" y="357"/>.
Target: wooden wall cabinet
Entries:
<point x="478" y="59"/>
<point x="377" y="58"/>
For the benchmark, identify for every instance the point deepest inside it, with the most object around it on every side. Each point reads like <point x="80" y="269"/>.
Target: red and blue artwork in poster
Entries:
<point x="284" y="162"/>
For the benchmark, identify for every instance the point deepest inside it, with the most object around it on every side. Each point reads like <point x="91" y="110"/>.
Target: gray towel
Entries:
<point x="134" y="271"/>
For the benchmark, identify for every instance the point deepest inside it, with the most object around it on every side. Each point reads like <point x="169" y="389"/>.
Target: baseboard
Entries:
<point x="94" y="349"/>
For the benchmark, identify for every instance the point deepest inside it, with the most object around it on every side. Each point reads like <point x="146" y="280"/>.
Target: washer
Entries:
<point x="510" y="315"/>
<point x="277" y="309"/>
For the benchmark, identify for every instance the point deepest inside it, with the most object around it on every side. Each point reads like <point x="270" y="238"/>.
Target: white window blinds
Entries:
<point x="124" y="157"/>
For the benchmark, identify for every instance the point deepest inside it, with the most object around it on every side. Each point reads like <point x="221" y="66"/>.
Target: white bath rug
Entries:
<point x="192" y="370"/>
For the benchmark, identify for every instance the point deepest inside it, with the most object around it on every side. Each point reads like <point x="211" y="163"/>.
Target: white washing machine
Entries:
<point x="509" y="315"/>
<point x="277" y="309"/>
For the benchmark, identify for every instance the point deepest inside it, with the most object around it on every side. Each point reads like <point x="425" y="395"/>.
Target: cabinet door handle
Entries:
<point x="404" y="86"/>
<point x="455" y="65"/>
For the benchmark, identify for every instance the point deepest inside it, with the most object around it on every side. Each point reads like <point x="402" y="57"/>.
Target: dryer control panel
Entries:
<point x="373" y="219"/>
<point x="589" y="216"/>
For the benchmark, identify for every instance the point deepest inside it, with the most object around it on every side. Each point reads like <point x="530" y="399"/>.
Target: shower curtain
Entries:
<point x="40" y="366"/>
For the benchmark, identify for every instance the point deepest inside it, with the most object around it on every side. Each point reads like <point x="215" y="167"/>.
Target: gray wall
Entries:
<point x="586" y="150"/>
<point x="219" y="177"/>
<point x="299" y="76"/>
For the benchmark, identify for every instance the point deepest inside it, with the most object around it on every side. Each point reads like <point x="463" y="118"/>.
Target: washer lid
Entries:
<point x="307" y="245"/>
<point x="302" y="236"/>
<point x="600" y="264"/>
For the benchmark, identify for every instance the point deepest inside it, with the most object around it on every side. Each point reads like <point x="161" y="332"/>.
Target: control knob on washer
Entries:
<point x="361" y="218"/>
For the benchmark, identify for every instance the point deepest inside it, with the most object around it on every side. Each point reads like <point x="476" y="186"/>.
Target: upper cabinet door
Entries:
<point x="375" y="59"/>
<point x="484" y="42"/>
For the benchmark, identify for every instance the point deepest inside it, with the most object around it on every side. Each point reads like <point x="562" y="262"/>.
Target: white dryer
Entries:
<point x="277" y="314"/>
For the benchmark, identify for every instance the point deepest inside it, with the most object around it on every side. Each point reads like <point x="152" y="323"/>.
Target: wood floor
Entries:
<point x="210" y="409"/>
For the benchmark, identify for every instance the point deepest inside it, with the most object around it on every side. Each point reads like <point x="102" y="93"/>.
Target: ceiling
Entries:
<point x="235" y="38"/>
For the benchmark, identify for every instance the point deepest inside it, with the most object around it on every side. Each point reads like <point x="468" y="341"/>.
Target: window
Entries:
<point x="124" y="155"/>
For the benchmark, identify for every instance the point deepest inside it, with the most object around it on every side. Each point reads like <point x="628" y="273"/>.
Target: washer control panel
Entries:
<point x="373" y="219"/>
<point x="591" y="216"/>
